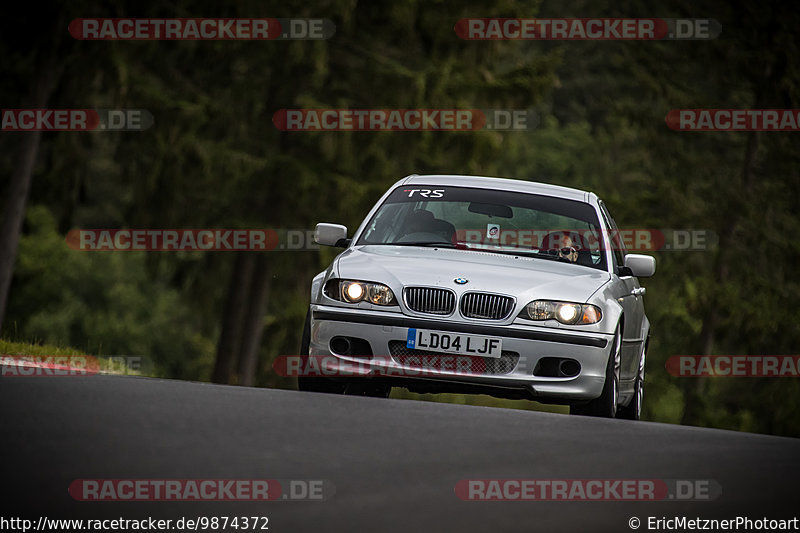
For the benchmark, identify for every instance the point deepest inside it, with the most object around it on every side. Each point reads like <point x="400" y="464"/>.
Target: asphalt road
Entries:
<point x="394" y="463"/>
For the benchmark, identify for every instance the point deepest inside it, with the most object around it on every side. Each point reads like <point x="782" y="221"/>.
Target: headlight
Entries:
<point x="358" y="291"/>
<point x="353" y="292"/>
<point x="565" y="312"/>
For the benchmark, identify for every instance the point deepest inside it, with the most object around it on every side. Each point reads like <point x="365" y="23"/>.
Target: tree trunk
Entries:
<point x="254" y="322"/>
<point x="243" y="321"/>
<point x="230" y="338"/>
<point x="20" y="185"/>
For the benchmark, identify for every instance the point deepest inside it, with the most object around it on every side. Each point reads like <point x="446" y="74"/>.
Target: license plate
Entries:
<point x="457" y="343"/>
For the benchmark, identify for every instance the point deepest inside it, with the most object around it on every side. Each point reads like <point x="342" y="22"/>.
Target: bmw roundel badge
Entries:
<point x="461" y="281"/>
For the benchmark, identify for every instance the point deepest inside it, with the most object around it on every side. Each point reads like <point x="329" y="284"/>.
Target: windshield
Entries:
<point x="496" y="221"/>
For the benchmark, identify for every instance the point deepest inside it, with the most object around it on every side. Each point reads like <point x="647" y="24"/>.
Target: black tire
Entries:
<point x="605" y="405"/>
<point x="315" y="384"/>
<point x="633" y="411"/>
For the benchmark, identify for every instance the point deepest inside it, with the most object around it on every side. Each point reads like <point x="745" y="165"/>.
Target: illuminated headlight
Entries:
<point x="359" y="291"/>
<point x="353" y="292"/>
<point x="565" y="312"/>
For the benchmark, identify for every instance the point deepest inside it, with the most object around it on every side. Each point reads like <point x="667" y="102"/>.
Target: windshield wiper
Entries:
<point x="462" y="246"/>
<point x="441" y="244"/>
<point x="525" y="253"/>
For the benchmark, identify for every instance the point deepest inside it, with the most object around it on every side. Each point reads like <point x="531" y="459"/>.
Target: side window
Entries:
<point x="617" y="246"/>
<point x="385" y="225"/>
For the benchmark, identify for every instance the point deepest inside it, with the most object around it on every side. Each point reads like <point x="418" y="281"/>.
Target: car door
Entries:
<point x="627" y="291"/>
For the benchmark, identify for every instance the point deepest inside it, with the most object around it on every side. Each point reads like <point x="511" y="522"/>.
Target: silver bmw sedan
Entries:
<point x="482" y="285"/>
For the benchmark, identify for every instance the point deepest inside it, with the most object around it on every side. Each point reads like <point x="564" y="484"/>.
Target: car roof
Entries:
<point x="503" y="184"/>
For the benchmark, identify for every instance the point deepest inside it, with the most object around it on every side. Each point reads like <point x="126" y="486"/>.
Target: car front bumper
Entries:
<point x="386" y="333"/>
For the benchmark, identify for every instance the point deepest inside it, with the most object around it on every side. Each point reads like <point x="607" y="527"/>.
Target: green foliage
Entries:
<point x="214" y="159"/>
<point x="104" y="303"/>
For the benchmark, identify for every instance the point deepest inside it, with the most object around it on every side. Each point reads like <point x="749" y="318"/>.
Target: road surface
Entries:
<point x="394" y="463"/>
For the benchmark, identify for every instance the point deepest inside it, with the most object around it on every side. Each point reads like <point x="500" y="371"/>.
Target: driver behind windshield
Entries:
<point x="421" y="221"/>
<point x="563" y="244"/>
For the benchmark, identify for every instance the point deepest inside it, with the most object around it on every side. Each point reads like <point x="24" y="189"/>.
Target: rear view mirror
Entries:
<point x="641" y="266"/>
<point x="331" y="235"/>
<point x="492" y="210"/>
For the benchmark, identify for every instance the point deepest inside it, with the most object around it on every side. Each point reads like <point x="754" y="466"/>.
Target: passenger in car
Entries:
<point x="564" y="244"/>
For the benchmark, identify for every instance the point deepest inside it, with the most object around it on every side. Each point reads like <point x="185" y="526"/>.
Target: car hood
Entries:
<point x="525" y="278"/>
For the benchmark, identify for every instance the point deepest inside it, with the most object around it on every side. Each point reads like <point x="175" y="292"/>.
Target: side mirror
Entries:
<point x="641" y="266"/>
<point x="331" y="235"/>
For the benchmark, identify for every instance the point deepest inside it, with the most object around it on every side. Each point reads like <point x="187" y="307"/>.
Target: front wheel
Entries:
<point x="633" y="411"/>
<point x="605" y="405"/>
<point x="315" y="384"/>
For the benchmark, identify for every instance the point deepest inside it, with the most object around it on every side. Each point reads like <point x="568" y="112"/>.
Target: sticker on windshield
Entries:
<point x="492" y="231"/>
<point x="424" y="193"/>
